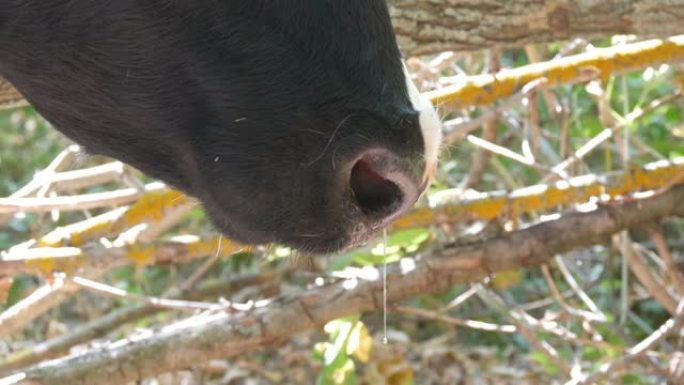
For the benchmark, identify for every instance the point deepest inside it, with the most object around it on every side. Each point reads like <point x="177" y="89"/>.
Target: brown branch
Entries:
<point x="224" y="335"/>
<point x="430" y="26"/>
<point x="100" y="327"/>
<point x="9" y="96"/>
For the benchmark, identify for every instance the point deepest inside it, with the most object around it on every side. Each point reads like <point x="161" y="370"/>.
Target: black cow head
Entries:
<point x="292" y="121"/>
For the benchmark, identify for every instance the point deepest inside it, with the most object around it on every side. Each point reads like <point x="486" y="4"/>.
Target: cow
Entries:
<point x="292" y="121"/>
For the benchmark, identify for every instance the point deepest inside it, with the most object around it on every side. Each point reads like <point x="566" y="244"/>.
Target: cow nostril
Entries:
<point x="376" y="196"/>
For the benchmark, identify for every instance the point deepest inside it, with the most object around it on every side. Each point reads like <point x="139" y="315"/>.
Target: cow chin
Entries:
<point x="325" y="237"/>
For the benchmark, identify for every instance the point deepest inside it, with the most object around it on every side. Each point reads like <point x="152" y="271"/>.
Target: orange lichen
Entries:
<point x="141" y="255"/>
<point x="47" y="265"/>
<point x="152" y="205"/>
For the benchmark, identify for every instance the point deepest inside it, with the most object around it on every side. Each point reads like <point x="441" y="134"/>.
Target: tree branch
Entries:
<point x="430" y="26"/>
<point x="222" y="334"/>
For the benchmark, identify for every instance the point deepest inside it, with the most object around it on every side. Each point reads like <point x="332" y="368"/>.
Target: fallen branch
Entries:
<point x="220" y="334"/>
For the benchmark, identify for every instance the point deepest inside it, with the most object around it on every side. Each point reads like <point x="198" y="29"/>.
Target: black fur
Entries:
<point x="253" y="106"/>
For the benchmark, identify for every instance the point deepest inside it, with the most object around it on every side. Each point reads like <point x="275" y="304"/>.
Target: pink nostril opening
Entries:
<point x="376" y="196"/>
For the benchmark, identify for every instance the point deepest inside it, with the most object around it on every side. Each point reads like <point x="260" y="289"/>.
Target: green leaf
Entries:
<point x="339" y="331"/>
<point x="341" y="372"/>
<point x="545" y="362"/>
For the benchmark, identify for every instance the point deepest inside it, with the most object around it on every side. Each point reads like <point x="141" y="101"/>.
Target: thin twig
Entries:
<point x="457" y="129"/>
<point x="525" y="328"/>
<point x="641" y="270"/>
<point x="665" y="253"/>
<point x="670" y="326"/>
<point x="98" y="287"/>
<point x="471" y="324"/>
<point x="584" y="315"/>
<point x="575" y="287"/>
<point x="606" y="134"/>
<point x="75" y="202"/>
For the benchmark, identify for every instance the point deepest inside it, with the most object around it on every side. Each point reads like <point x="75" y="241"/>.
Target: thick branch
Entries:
<point x="101" y="326"/>
<point x="225" y="335"/>
<point x="429" y="26"/>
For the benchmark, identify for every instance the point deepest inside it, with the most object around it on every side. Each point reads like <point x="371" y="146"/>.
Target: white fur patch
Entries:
<point x="430" y="126"/>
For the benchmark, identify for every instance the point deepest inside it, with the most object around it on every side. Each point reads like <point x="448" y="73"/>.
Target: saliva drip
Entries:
<point x="384" y="286"/>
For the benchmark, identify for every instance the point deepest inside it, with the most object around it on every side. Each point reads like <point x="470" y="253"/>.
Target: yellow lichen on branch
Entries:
<point x="601" y="63"/>
<point x="487" y="206"/>
<point x="150" y="207"/>
<point x="180" y="250"/>
<point x="76" y="234"/>
<point x="45" y="261"/>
